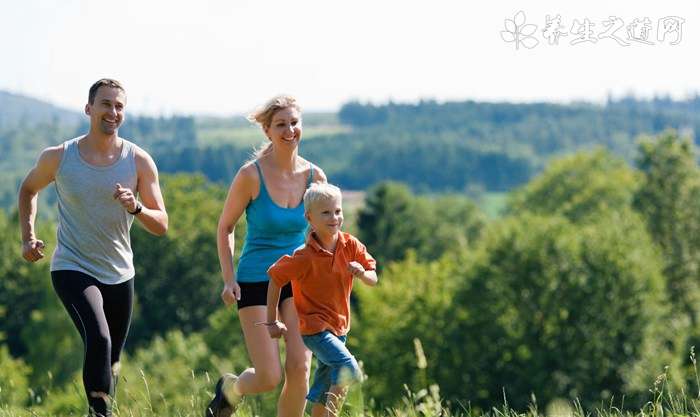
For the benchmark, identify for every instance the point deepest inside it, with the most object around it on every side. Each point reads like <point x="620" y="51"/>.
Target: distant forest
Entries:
<point x="432" y="147"/>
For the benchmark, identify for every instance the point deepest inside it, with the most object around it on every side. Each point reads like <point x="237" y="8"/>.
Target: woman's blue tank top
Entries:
<point x="273" y="231"/>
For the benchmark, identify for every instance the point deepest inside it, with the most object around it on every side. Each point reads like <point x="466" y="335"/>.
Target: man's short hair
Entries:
<point x="320" y="192"/>
<point x="104" y="82"/>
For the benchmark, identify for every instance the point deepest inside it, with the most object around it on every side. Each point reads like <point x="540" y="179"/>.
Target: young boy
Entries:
<point x="322" y="273"/>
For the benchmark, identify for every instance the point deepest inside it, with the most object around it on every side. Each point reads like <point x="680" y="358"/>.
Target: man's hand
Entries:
<point x="33" y="250"/>
<point x="125" y="197"/>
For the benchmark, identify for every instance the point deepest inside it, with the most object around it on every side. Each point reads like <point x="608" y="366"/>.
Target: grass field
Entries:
<point x="144" y="401"/>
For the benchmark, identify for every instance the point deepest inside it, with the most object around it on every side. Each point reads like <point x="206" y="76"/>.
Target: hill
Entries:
<point x="18" y="110"/>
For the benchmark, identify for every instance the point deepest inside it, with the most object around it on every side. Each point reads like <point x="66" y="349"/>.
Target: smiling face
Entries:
<point x="326" y="217"/>
<point x="107" y="110"/>
<point x="285" y="128"/>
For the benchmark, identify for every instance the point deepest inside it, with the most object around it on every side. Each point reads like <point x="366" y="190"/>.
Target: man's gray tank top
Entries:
<point x="93" y="227"/>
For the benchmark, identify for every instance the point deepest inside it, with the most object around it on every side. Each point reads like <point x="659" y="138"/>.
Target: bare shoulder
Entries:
<point x="246" y="181"/>
<point x="319" y="175"/>
<point x="50" y="158"/>
<point x="248" y="174"/>
<point x="45" y="169"/>
<point x="143" y="159"/>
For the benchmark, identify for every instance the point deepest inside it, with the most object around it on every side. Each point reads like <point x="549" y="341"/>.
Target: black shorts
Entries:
<point x="255" y="294"/>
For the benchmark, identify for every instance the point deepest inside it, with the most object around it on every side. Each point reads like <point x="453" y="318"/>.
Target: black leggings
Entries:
<point x="102" y="314"/>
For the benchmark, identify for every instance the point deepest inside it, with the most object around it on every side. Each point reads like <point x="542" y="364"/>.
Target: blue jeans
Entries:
<point x="336" y="365"/>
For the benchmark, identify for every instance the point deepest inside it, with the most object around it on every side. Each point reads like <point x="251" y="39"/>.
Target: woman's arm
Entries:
<point x="239" y="195"/>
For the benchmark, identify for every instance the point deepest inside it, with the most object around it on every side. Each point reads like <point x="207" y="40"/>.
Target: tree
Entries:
<point x="24" y="285"/>
<point x="414" y="300"/>
<point x="559" y="310"/>
<point x="394" y="221"/>
<point x="578" y="187"/>
<point x="391" y="222"/>
<point x="14" y="382"/>
<point x="178" y="275"/>
<point x="669" y="200"/>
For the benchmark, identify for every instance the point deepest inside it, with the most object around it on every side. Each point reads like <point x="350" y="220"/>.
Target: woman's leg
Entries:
<point x="266" y="372"/>
<point x="83" y="301"/>
<point x="296" y="367"/>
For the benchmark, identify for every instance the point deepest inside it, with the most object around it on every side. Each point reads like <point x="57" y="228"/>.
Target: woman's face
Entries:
<point x="285" y="128"/>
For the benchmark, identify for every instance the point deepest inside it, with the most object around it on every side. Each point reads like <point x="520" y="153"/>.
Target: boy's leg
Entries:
<point x="336" y="396"/>
<point x="318" y="393"/>
<point x="330" y="350"/>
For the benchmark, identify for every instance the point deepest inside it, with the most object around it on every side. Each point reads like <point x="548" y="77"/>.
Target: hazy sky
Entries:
<point x="227" y="56"/>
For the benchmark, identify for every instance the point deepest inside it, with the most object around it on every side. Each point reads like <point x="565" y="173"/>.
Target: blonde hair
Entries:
<point x="321" y="191"/>
<point x="263" y="117"/>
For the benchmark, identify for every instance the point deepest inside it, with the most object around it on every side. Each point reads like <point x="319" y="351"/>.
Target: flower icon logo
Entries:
<point x="519" y="32"/>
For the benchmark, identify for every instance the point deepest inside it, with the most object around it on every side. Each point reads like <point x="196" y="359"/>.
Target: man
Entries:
<point x="97" y="178"/>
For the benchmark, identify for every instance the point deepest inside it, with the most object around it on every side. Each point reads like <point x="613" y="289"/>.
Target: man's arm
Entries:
<point x="43" y="173"/>
<point x="153" y="215"/>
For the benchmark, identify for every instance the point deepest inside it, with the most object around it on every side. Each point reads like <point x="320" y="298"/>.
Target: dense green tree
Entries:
<point x="14" y="379"/>
<point x="669" y="200"/>
<point x="24" y="285"/>
<point x="413" y="301"/>
<point x="178" y="278"/>
<point x="578" y="187"/>
<point x="394" y="221"/>
<point x="561" y="311"/>
<point x="391" y="222"/>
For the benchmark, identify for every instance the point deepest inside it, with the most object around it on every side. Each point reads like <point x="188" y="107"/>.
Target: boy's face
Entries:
<point x="326" y="216"/>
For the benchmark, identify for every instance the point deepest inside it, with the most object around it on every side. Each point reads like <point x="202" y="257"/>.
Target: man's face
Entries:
<point x="107" y="111"/>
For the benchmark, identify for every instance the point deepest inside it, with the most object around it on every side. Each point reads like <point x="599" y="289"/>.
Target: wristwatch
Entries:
<point x="138" y="209"/>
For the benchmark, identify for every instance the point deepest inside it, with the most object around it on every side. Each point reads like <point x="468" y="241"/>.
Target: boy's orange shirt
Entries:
<point x="321" y="282"/>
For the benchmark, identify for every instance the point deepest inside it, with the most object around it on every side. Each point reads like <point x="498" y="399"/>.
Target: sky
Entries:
<point x="225" y="57"/>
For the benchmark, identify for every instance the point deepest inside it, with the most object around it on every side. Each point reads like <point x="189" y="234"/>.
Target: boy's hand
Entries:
<point x="356" y="269"/>
<point x="276" y="329"/>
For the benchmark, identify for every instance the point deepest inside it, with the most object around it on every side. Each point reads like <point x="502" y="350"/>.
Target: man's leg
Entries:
<point x="83" y="300"/>
<point x="118" y="306"/>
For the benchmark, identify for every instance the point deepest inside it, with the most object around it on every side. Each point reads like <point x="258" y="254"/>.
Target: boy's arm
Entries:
<point x="275" y="327"/>
<point x="358" y="271"/>
<point x="370" y="278"/>
<point x="364" y="266"/>
<point x="280" y="273"/>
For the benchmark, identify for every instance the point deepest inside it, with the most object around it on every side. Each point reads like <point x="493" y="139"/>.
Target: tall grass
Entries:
<point x="139" y="397"/>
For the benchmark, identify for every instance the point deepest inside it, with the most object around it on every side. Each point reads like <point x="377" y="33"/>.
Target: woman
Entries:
<point x="270" y="190"/>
